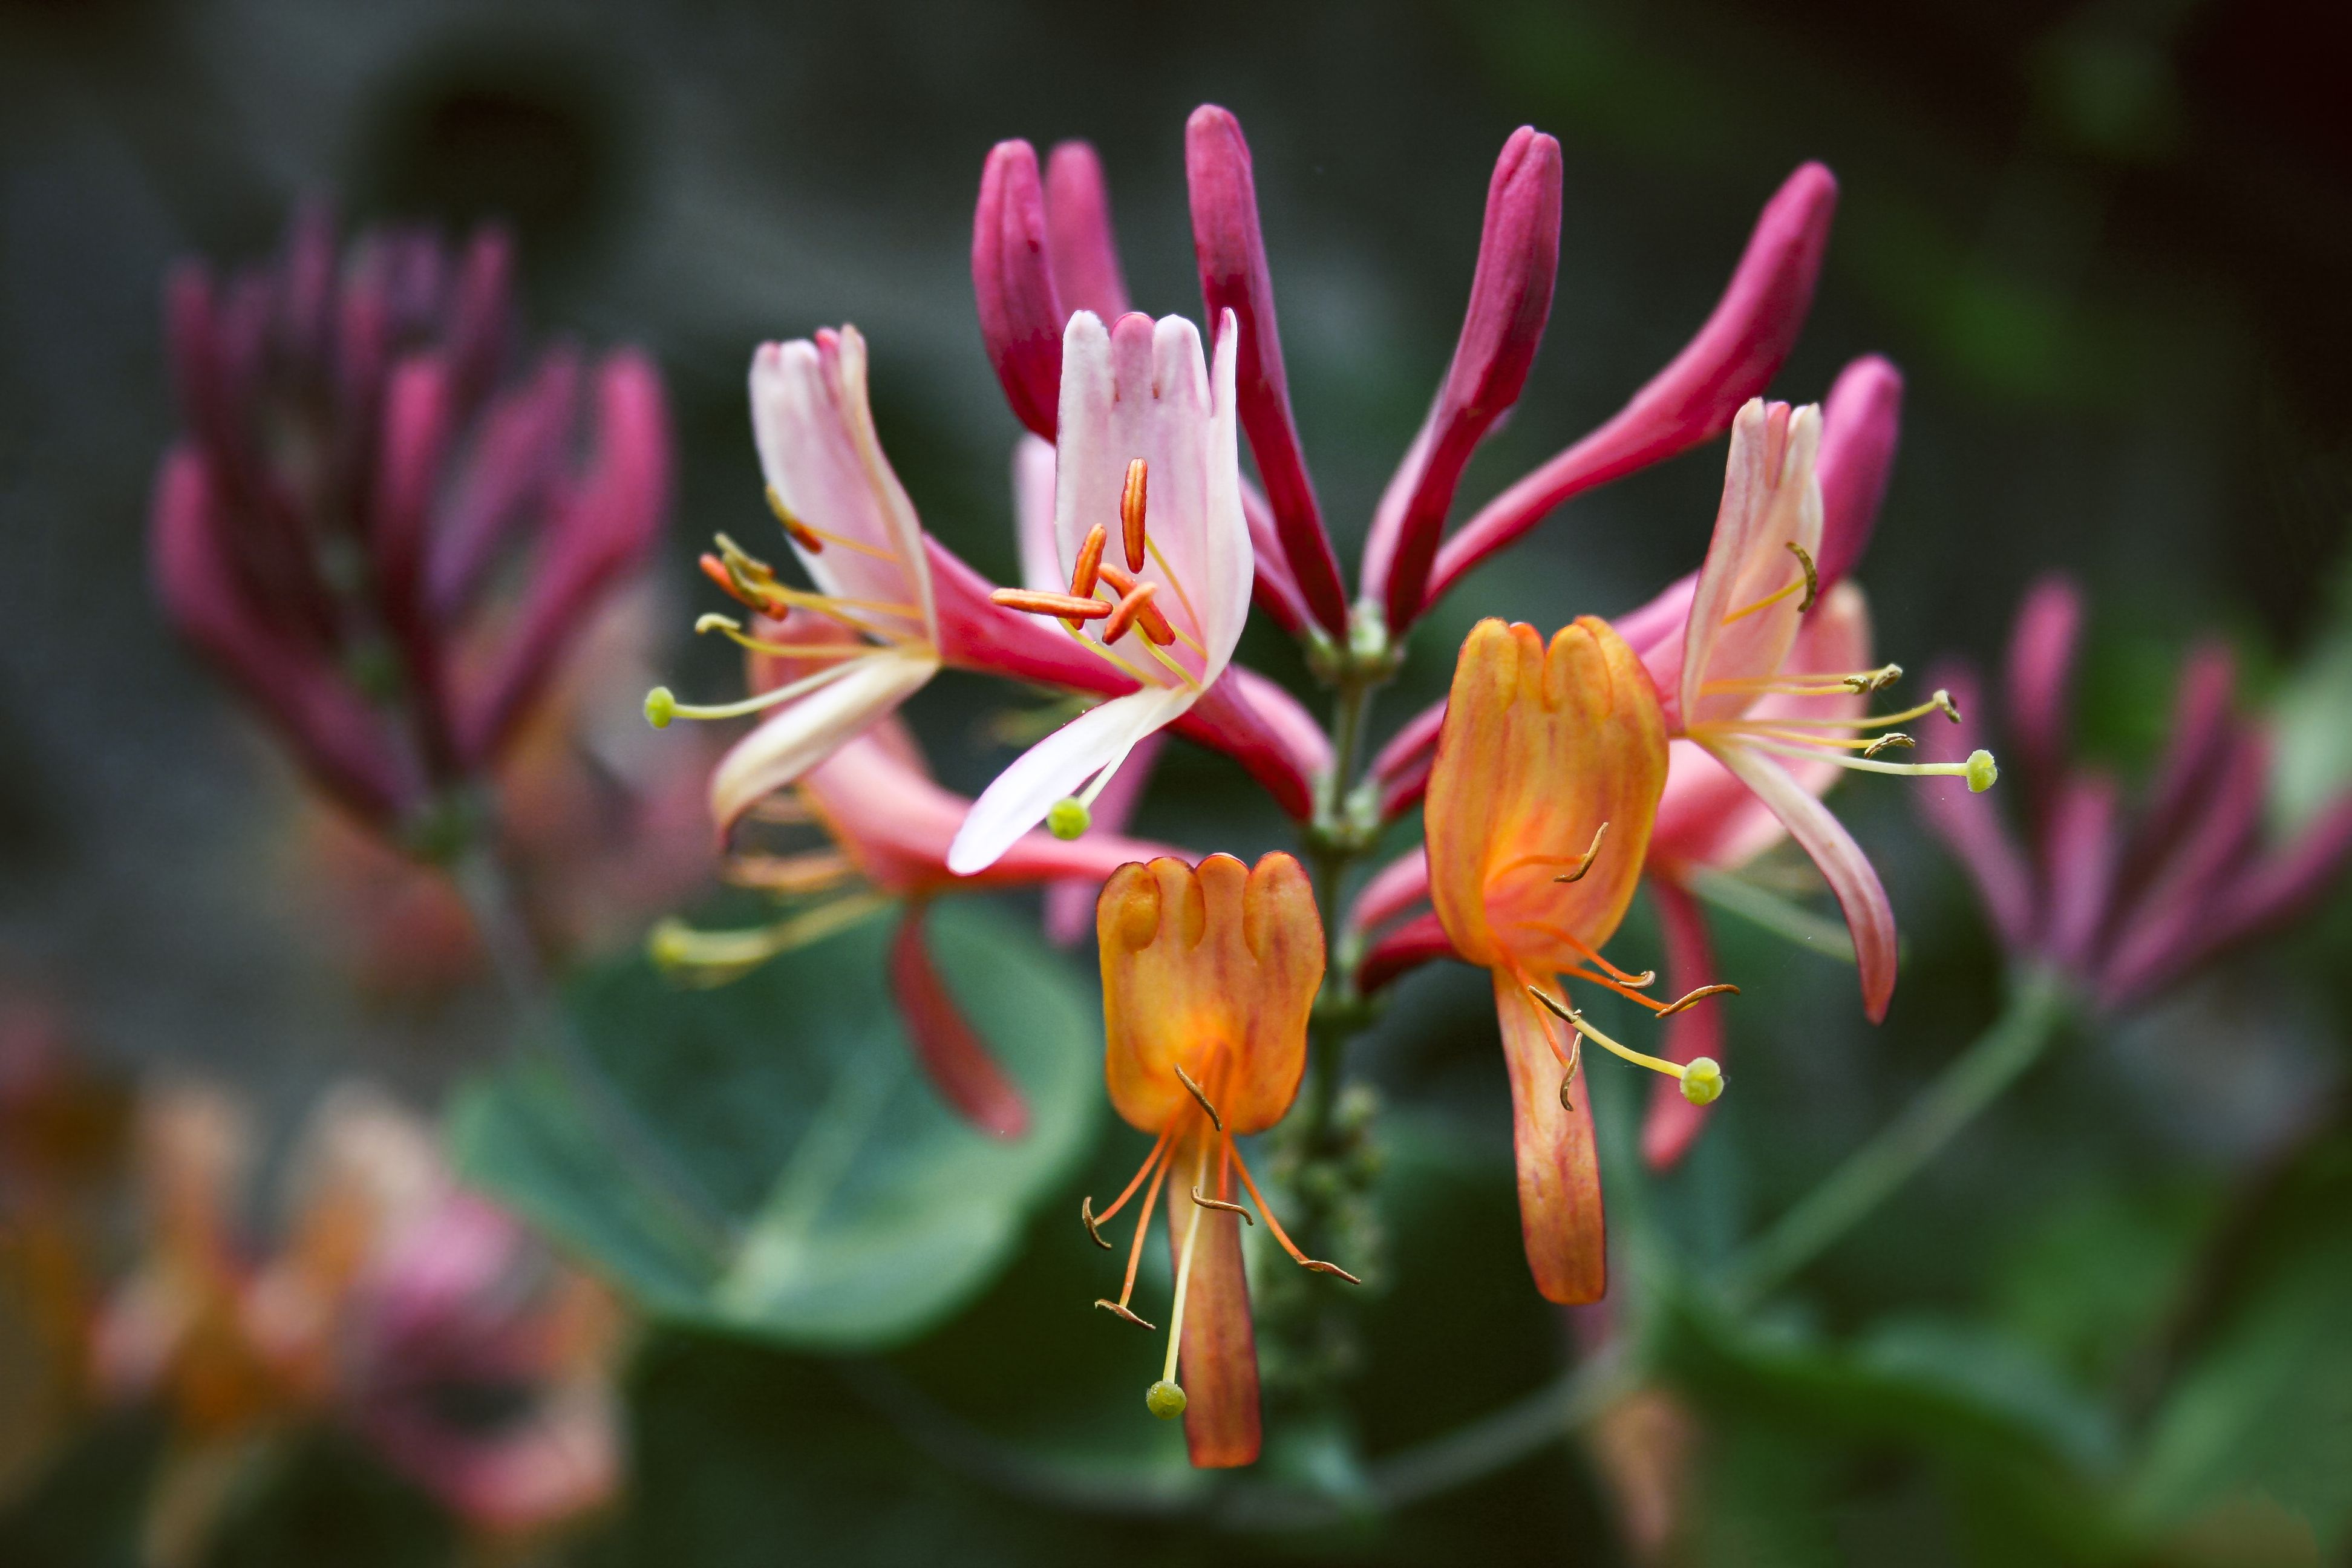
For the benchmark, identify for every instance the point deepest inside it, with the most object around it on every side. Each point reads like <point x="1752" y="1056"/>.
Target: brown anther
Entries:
<point x="1186" y="1079"/>
<point x="1567" y="1078"/>
<point x="742" y="560"/>
<point x="1130" y="514"/>
<point x="1874" y="679"/>
<point x="1943" y="699"/>
<point x="1554" y="1006"/>
<point x="1029" y="602"/>
<point x="1086" y="1218"/>
<point x="800" y="532"/>
<point x="1118" y="1310"/>
<point x="1088" y="565"/>
<point x="1695" y="997"/>
<point x="1812" y="578"/>
<point x="1221" y="1203"/>
<point x="1130" y="606"/>
<point x="1151" y="618"/>
<point x="1590" y="854"/>
<point x="1893" y="740"/>
<point x="1317" y="1265"/>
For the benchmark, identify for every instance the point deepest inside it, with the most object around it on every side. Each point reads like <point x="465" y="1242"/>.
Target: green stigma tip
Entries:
<point x="1068" y="819"/>
<point x="1981" y="772"/>
<point x="1702" y="1080"/>
<point x="1164" y="1399"/>
<point x="661" y="706"/>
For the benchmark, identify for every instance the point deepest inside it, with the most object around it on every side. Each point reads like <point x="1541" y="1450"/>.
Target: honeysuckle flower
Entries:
<point x="1546" y="781"/>
<point x="1737" y="646"/>
<point x="2129" y="909"/>
<point x="1208" y="977"/>
<point x="1147" y="445"/>
<point x="360" y="455"/>
<point x="395" y="1304"/>
<point x="886" y="827"/>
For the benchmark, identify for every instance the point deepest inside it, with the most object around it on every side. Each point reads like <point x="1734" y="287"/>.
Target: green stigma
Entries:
<point x="661" y="706"/>
<point x="1067" y="819"/>
<point x="1164" y="1399"/>
<point x="1702" y="1080"/>
<point x="1981" y="772"/>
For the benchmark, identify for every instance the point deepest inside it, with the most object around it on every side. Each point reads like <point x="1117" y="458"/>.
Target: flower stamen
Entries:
<point x="814" y="539"/>
<point x="1061" y="607"/>
<point x="1314" y="1265"/>
<point x="1131" y="497"/>
<point x="1198" y="1093"/>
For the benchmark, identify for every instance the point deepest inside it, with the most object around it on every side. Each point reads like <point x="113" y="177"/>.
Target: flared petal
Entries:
<point x="822" y="458"/>
<point x="1674" y="1123"/>
<point x="953" y="1055"/>
<point x="1214" y="970"/>
<point x="1771" y="499"/>
<point x="1541" y="747"/>
<point x="1217" y="1361"/>
<point x="1848" y="871"/>
<point x="1559" y="1171"/>
<point x="1055" y="768"/>
<point x="804" y="731"/>
<point x="1070" y="906"/>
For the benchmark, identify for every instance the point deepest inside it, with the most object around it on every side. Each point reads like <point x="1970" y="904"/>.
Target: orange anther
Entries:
<point x="1090" y="563"/>
<point x="800" y="532"/>
<point x="1029" y="602"/>
<point x="1124" y="614"/>
<point x="1151" y="617"/>
<point x="716" y="569"/>
<point x="1130" y="514"/>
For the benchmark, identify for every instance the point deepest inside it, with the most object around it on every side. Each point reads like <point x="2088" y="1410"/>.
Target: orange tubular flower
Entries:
<point x="1541" y="802"/>
<point x="1208" y="979"/>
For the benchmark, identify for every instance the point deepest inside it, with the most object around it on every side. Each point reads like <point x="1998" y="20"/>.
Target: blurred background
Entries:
<point x="2107" y="245"/>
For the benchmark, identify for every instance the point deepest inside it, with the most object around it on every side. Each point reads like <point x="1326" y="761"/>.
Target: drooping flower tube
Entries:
<point x="1146" y="446"/>
<point x="888" y="826"/>
<point x="1208" y="977"/>
<point x="1734" y="644"/>
<point x="856" y="534"/>
<point x="1548" y="771"/>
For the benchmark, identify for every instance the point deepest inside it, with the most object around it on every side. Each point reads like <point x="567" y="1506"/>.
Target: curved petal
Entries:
<point x="1843" y="865"/>
<point x="1561" y="1220"/>
<point x="1070" y="906"/>
<point x="1053" y="768"/>
<point x="1771" y="499"/>
<point x="805" y="731"/>
<point x="820" y="455"/>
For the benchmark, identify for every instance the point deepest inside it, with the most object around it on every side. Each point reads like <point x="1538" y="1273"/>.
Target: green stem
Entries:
<point x="1874" y="1172"/>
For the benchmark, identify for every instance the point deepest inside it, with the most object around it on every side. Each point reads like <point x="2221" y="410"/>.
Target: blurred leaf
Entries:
<point x="2263" y="1413"/>
<point x="853" y="1208"/>
<point x="2089" y="1283"/>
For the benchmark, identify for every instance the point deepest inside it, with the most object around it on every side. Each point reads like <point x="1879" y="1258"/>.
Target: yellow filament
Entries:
<point x="1863" y="764"/>
<point x="715" y="957"/>
<point x="1165" y="657"/>
<point x="1824" y="683"/>
<point x="1184" y="1267"/>
<point x="734" y="633"/>
<point x="1129" y="670"/>
<point x="878" y="554"/>
<point x="1183" y="598"/>
<point x="1575" y="1020"/>
<point x="1939" y="703"/>
<point x="760" y="700"/>
<point x="1767" y="602"/>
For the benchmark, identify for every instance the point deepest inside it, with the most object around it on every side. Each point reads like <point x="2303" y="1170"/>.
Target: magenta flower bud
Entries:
<point x="481" y="320"/>
<point x="1078" y="234"/>
<point x="2041" y="678"/>
<point x="1732" y="359"/>
<point x="1231" y="255"/>
<point x="525" y="440"/>
<point x="416" y="442"/>
<point x="1861" y="424"/>
<point x="1021" y="315"/>
<point x="1510" y="300"/>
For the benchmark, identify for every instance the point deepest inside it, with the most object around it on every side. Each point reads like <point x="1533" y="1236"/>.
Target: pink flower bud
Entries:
<point x="2041" y="678"/>
<point x="1231" y="255"/>
<point x="1510" y="300"/>
<point x="1021" y="314"/>
<point x="1861" y="424"/>
<point x="1731" y="360"/>
<point x="1079" y="232"/>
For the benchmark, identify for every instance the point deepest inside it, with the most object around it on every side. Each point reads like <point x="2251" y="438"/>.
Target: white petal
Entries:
<point x="1032" y="515"/>
<point x="804" y="732"/>
<point x="1055" y="767"/>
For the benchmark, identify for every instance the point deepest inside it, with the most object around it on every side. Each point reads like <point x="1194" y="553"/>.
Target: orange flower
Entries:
<point x="1547" y="775"/>
<point x="1208" y="980"/>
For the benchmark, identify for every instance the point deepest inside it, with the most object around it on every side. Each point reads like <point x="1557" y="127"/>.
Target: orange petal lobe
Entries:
<point x="1560" y="1177"/>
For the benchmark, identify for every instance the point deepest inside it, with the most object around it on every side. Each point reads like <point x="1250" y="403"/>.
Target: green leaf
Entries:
<point x="768" y="1158"/>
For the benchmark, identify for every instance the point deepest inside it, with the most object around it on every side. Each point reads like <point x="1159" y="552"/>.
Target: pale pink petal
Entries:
<point x="820" y="454"/>
<point x="1032" y="516"/>
<point x="1055" y="768"/>
<point x="1070" y="906"/>
<point x="1775" y="485"/>
<point x="804" y="731"/>
<point x="1674" y="1123"/>
<point x="1843" y="865"/>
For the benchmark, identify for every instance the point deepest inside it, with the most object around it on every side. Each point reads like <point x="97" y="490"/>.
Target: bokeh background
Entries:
<point x="2108" y="244"/>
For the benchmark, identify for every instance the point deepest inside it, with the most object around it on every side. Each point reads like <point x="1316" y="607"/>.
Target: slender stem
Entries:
<point x="1874" y="1172"/>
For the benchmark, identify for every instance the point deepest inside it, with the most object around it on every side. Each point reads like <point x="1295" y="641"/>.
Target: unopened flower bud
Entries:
<point x="1068" y="818"/>
<point x="1702" y="1081"/>
<point x="1164" y="1399"/>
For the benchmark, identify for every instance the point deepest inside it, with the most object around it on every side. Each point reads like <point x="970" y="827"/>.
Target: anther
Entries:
<point x="1125" y="1315"/>
<point x="715" y="622"/>
<point x="1029" y="602"/>
<point x="716" y="569"/>
<point x="1554" y="1006"/>
<point x="1186" y="1079"/>
<point x="1317" y="1265"/>
<point x="1590" y="854"/>
<point x="1132" y="604"/>
<point x="1693" y="998"/>
<point x="1812" y="578"/>
<point x="800" y="532"/>
<point x="1893" y="740"/>
<point x="1149" y="615"/>
<point x="1088" y="565"/>
<point x="1221" y="1205"/>
<point x="1874" y="679"/>
<point x="1943" y="699"/>
<point x="1566" y="1079"/>
<point x="1086" y="1218"/>
<point x="1130" y="514"/>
